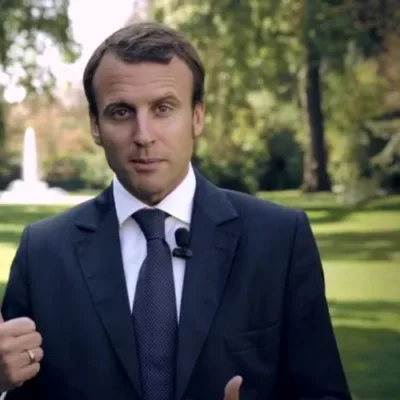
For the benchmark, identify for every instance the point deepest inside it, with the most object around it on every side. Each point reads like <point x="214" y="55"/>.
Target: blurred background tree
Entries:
<point x="318" y="71"/>
<point x="27" y="29"/>
<point x="300" y="94"/>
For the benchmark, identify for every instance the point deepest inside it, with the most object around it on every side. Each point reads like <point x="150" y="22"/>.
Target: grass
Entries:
<point x="360" y="248"/>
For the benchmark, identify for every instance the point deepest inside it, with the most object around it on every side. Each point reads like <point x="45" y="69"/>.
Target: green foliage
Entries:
<point x="9" y="167"/>
<point x="255" y="52"/>
<point x="352" y="98"/>
<point x="248" y="84"/>
<point x="27" y="30"/>
<point x="78" y="171"/>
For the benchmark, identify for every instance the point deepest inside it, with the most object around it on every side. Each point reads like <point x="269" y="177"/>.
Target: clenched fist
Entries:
<point x="20" y="352"/>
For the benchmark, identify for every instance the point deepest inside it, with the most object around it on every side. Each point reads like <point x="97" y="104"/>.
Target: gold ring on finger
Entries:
<point x="31" y="355"/>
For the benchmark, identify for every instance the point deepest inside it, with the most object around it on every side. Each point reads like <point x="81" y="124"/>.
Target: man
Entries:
<point x="96" y="307"/>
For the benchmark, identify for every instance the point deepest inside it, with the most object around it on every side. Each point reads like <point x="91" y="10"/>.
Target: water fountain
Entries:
<point x="30" y="189"/>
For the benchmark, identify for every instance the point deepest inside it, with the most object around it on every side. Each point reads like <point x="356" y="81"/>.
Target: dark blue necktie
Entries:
<point x="154" y="311"/>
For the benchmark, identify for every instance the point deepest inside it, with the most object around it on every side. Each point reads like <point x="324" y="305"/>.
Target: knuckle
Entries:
<point x="38" y="339"/>
<point x="6" y="370"/>
<point x="27" y="324"/>
<point x="13" y="375"/>
<point x="5" y="347"/>
<point x="40" y="353"/>
<point x="7" y="364"/>
<point x="3" y="329"/>
<point x="17" y="327"/>
<point x="35" y="369"/>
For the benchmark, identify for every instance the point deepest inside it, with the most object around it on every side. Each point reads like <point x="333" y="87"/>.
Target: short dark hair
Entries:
<point x="146" y="42"/>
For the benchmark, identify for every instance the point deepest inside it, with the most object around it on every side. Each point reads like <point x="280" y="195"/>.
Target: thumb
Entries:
<point x="1" y="318"/>
<point x="232" y="388"/>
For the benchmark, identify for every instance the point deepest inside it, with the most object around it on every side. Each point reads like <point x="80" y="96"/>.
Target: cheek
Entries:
<point x="176" y="131"/>
<point x="116" y="135"/>
<point x="115" y="143"/>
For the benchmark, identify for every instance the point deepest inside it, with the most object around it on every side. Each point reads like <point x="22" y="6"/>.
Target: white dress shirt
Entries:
<point x="178" y="205"/>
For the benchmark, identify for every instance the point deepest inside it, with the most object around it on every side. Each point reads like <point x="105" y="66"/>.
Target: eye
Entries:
<point x="120" y="113"/>
<point x="163" y="109"/>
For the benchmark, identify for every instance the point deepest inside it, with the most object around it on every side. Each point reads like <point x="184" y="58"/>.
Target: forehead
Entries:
<point x="141" y="82"/>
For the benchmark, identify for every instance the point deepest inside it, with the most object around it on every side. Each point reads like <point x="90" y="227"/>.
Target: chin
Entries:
<point x="150" y="194"/>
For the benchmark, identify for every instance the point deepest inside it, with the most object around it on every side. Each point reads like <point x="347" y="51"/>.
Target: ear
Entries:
<point x="94" y="129"/>
<point x="198" y="119"/>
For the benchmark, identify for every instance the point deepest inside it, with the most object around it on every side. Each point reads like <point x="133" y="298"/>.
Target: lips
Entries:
<point x="146" y="164"/>
<point x="146" y="160"/>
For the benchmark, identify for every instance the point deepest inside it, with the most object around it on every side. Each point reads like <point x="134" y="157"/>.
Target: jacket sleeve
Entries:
<point x="312" y="365"/>
<point x="16" y="303"/>
<point x="16" y="296"/>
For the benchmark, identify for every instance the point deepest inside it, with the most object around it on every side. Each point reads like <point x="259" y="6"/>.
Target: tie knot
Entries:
<point x="151" y="222"/>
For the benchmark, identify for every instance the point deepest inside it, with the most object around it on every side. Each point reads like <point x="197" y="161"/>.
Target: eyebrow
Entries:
<point x="166" y="97"/>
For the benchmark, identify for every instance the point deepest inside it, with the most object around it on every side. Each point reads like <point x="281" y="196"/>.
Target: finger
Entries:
<point x="17" y="327"/>
<point x="37" y="354"/>
<point x="16" y="345"/>
<point x="232" y="388"/>
<point x="27" y="341"/>
<point x="26" y="373"/>
<point x="1" y="318"/>
<point x="24" y="358"/>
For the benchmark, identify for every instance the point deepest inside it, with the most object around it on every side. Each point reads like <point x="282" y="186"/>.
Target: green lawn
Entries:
<point x="360" y="248"/>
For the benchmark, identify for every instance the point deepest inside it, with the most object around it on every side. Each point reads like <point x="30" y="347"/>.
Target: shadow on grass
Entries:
<point x="9" y="237"/>
<point x="364" y="246"/>
<point x="13" y="220"/>
<point x="22" y="215"/>
<point x="328" y="201"/>
<point x="336" y="213"/>
<point x="368" y="336"/>
<point x="352" y="309"/>
<point x="371" y="361"/>
<point x="323" y="208"/>
<point x="327" y="215"/>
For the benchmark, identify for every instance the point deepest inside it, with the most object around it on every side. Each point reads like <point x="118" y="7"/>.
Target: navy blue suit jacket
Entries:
<point x="253" y="305"/>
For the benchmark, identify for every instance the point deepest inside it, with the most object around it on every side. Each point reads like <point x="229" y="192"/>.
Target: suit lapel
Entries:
<point x="214" y="238"/>
<point x="100" y="258"/>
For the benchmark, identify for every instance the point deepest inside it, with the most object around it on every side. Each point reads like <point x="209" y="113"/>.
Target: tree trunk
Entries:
<point x="315" y="175"/>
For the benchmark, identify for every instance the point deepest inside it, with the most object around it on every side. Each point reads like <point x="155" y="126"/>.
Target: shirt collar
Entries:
<point x="178" y="204"/>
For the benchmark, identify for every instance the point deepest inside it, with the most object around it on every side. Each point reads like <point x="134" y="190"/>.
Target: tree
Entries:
<point x="281" y="49"/>
<point x="315" y="176"/>
<point x="27" y="29"/>
<point x="248" y="85"/>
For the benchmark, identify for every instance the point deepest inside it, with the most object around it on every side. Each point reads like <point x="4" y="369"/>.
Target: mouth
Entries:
<point x="146" y="161"/>
<point x="146" y="164"/>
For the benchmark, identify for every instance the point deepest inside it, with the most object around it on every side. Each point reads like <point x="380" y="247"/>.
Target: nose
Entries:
<point x="143" y="136"/>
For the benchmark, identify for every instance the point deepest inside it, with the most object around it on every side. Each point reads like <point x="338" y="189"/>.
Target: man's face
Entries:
<point x="146" y="123"/>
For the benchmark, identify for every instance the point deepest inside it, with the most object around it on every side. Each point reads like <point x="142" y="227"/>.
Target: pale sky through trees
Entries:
<point x="92" y="21"/>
